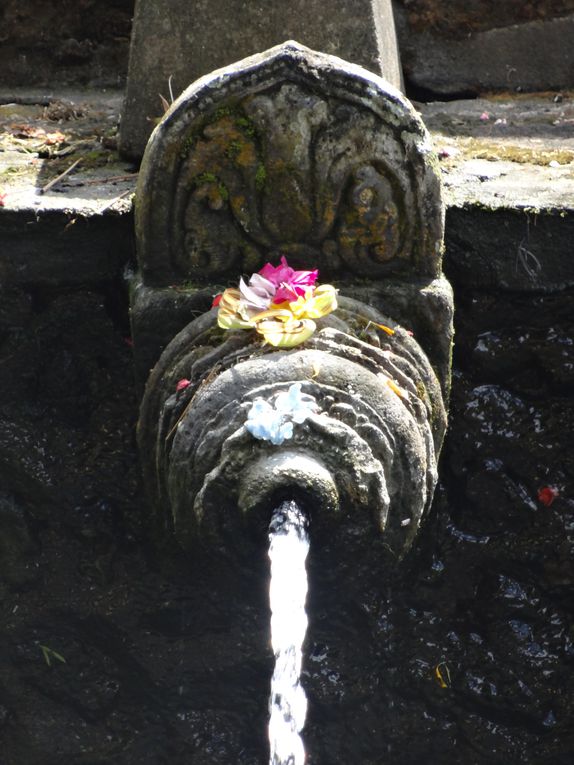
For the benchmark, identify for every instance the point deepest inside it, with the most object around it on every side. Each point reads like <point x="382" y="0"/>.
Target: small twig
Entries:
<point x="111" y="178"/>
<point x="58" y="178"/>
<point x="112" y="202"/>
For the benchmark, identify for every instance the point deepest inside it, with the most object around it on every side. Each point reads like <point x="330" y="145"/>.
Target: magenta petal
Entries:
<point x="277" y="274"/>
<point x="287" y="292"/>
<point x="290" y="283"/>
<point x="268" y="272"/>
<point x="304" y="278"/>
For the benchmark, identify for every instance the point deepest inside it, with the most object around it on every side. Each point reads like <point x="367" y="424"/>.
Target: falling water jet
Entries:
<point x="288" y="548"/>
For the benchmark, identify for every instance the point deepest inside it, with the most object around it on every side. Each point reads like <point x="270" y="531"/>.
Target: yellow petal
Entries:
<point x="228" y="316"/>
<point x="442" y="677"/>
<point x="324" y="301"/>
<point x="275" y="313"/>
<point x="286" y="334"/>
<point x="316" y="303"/>
<point x="388" y="330"/>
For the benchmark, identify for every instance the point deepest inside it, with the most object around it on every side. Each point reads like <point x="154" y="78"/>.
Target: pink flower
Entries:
<point x="484" y="117"/>
<point x="277" y="274"/>
<point x="182" y="385"/>
<point x="290" y="284"/>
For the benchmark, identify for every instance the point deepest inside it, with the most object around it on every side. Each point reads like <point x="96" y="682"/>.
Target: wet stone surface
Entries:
<point x="465" y="653"/>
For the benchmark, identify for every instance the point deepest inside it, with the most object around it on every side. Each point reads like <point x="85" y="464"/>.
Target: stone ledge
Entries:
<point x="43" y="135"/>
<point x="508" y="175"/>
<point x="505" y="152"/>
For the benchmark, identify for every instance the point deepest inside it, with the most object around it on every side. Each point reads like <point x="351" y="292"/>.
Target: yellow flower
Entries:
<point x="228" y="316"/>
<point x="283" y="325"/>
<point x="315" y="303"/>
<point x="285" y="333"/>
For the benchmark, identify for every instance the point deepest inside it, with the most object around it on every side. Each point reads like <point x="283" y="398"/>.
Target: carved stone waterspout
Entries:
<point x="293" y="153"/>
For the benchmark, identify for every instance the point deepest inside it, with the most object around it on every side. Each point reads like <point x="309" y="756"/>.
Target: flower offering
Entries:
<point x="279" y="303"/>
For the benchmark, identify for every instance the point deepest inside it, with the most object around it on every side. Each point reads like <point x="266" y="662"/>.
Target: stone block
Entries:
<point x="533" y="56"/>
<point x="509" y="249"/>
<point x="53" y="248"/>
<point x="178" y="41"/>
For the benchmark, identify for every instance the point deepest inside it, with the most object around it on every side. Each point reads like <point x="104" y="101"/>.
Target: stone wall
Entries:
<point x="71" y="42"/>
<point x="113" y="650"/>
<point x="461" y="49"/>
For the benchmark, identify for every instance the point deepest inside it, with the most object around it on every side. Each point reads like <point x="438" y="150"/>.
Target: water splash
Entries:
<point x="288" y="548"/>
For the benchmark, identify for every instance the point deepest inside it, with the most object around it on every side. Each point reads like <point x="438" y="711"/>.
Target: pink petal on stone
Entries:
<point x="182" y="384"/>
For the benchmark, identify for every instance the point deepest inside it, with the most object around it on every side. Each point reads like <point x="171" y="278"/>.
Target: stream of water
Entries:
<point x="288" y="548"/>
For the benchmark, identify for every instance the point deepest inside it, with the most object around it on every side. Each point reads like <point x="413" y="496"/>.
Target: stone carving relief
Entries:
<point x="286" y="167"/>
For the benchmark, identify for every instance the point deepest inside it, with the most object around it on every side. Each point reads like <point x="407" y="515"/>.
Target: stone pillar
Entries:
<point x="181" y="41"/>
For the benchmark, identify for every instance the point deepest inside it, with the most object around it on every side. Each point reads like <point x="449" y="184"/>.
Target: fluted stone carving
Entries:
<point x="379" y="423"/>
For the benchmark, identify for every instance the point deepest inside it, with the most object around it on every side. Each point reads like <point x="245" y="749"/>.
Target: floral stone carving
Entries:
<point x="289" y="152"/>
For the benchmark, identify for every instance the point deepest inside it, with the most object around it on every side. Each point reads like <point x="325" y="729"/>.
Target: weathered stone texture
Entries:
<point x="56" y="249"/>
<point x="184" y="41"/>
<point x="288" y="152"/>
<point x="378" y="442"/>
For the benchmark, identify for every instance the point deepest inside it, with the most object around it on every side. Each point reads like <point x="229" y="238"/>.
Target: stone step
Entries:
<point x="78" y="230"/>
<point x="508" y="174"/>
<point x="507" y="163"/>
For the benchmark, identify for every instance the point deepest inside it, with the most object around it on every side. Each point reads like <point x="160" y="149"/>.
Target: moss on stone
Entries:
<point x="260" y="176"/>
<point x="421" y="391"/>
<point x="497" y="150"/>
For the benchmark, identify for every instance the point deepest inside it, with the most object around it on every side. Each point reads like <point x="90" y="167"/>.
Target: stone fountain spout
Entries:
<point x="297" y="154"/>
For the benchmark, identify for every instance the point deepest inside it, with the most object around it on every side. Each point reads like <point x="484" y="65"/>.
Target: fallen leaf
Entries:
<point x="442" y="674"/>
<point x="49" y="654"/>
